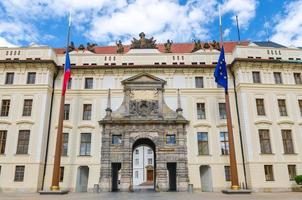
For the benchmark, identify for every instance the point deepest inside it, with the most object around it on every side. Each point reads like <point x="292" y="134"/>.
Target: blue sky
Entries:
<point x="44" y="22"/>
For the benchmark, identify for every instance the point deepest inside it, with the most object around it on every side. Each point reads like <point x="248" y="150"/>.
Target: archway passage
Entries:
<point x="143" y="165"/>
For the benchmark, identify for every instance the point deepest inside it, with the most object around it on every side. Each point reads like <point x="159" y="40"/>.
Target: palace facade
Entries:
<point x="162" y="96"/>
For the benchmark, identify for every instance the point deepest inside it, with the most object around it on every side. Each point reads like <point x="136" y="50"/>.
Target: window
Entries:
<point x="5" y="107"/>
<point x="297" y="77"/>
<point x="201" y="112"/>
<point x="260" y="107"/>
<point x="136" y="161"/>
<point x="222" y="110"/>
<point x="300" y="106"/>
<point x="66" y="111"/>
<point x="19" y="173"/>
<point x="23" y="142"/>
<point x="203" y="143"/>
<point x="136" y="174"/>
<point x="149" y="161"/>
<point x="265" y="142"/>
<point x="61" y="174"/>
<point x="199" y="82"/>
<point x="31" y="77"/>
<point x="170" y="139"/>
<point x="282" y="107"/>
<point x="278" y="77"/>
<point x="27" y="107"/>
<point x="256" y="77"/>
<point x="287" y="141"/>
<point x="69" y="83"/>
<point x="227" y="173"/>
<point x="85" y="144"/>
<point x="224" y="143"/>
<point x="292" y="173"/>
<point x="3" y="135"/>
<point x="87" y="111"/>
<point x="9" y="79"/>
<point x="268" y="171"/>
<point x="88" y="83"/>
<point x="136" y="151"/>
<point x="150" y="151"/>
<point x="116" y="139"/>
<point x="64" y="144"/>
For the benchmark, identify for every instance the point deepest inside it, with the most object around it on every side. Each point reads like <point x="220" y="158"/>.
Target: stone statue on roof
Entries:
<point x="143" y="43"/>
<point x="197" y="45"/>
<point x="119" y="47"/>
<point x="81" y="47"/>
<point x="168" y="46"/>
<point x="215" y="45"/>
<point x="71" y="47"/>
<point x="90" y="47"/>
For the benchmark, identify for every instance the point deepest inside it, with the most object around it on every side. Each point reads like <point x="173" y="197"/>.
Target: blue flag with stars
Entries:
<point x="220" y="74"/>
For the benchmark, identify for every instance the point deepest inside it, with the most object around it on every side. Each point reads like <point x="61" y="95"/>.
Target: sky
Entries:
<point x="45" y="22"/>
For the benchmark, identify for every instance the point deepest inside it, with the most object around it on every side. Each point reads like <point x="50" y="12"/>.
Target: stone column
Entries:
<point x="105" y="172"/>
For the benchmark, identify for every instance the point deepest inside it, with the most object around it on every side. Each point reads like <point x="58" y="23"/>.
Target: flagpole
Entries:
<point x="233" y="162"/>
<point x="57" y="157"/>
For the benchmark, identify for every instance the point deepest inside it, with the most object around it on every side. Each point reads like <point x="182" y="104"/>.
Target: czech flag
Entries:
<point x="67" y="72"/>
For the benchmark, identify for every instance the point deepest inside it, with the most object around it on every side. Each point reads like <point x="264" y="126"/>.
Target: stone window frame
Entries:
<point x="199" y="80"/>
<point x="227" y="173"/>
<point x="19" y="173"/>
<point x="224" y="142"/>
<point x="222" y="116"/>
<point x="205" y="110"/>
<point x="281" y="102"/>
<point x="168" y="135"/>
<point x="206" y="142"/>
<point x="112" y="140"/>
<point x="5" y="107"/>
<point x="265" y="141"/>
<point x="292" y="171"/>
<point x="260" y="111"/>
<point x="64" y="151"/>
<point x="278" y="77"/>
<point x="27" y="107"/>
<point x="62" y="172"/>
<point x="3" y="138"/>
<point x="298" y="78"/>
<point x="269" y="173"/>
<point x="85" y="143"/>
<point x="300" y="106"/>
<point x="9" y="78"/>
<point x="85" y="116"/>
<point x="23" y="141"/>
<point x="256" y="77"/>
<point x="31" y="78"/>
<point x="67" y="112"/>
<point x="287" y="141"/>
<point x="88" y="85"/>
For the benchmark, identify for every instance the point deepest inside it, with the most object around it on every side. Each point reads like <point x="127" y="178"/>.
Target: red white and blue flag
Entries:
<point x="67" y="72"/>
<point x="67" y="68"/>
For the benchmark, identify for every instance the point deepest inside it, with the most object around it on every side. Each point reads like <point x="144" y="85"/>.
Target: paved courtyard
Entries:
<point x="153" y="195"/>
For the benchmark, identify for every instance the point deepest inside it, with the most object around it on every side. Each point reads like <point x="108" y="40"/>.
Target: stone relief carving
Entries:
<point x="143" y="107"/>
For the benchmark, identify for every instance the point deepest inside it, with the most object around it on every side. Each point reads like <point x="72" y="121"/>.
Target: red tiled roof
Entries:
<point x="176" y="48"/>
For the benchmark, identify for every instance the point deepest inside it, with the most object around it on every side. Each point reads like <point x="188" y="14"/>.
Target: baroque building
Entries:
<point x="160" y="96"/>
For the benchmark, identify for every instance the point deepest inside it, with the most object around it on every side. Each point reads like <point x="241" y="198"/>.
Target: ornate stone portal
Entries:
<point x="144" y="119"/>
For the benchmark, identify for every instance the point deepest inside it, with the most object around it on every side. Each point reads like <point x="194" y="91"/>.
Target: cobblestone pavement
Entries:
<point x="153" y="195"/>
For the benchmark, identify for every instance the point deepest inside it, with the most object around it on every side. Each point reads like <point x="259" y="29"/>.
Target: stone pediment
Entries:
<point x="143" y="78"/>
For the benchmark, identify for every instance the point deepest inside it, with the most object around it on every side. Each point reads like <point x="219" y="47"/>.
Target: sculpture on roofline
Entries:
<point x="81" y="47"/>
<point x="206" y="45"/>
<point x="119" y="47"/>
<point x="215" y="45"/>
<point x="71" y="47"/>
<point x="168" y="46"/>
<point x="90" y="47"/>
<point x="197" y="45"/>
<point x="143" y="43"/>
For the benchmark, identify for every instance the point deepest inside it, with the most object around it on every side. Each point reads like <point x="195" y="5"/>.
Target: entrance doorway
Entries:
<point x="206" y="178"/>
<point x="143" y="165"/>
<point x="172" y="176"/>
<point x="115" y="167"/>
<point x="82" y="179"/>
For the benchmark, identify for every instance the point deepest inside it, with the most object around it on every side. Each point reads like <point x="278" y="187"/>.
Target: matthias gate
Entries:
<point x="144" y="119"/>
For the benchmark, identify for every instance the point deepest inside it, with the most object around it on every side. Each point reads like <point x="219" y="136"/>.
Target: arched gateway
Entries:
<point x="144" y="117"/>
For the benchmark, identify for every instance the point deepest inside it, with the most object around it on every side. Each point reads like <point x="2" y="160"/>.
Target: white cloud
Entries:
<point x="244" y="9"/>
<point x="161" y="19"/>
<point x="105" y="21"/>
<point x="5" y="43"/>
<point x="288" y="29"/>
<point x="226" y="33"/>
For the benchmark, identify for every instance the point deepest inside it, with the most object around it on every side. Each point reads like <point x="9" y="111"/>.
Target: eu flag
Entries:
<point x="220" y="74"/>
